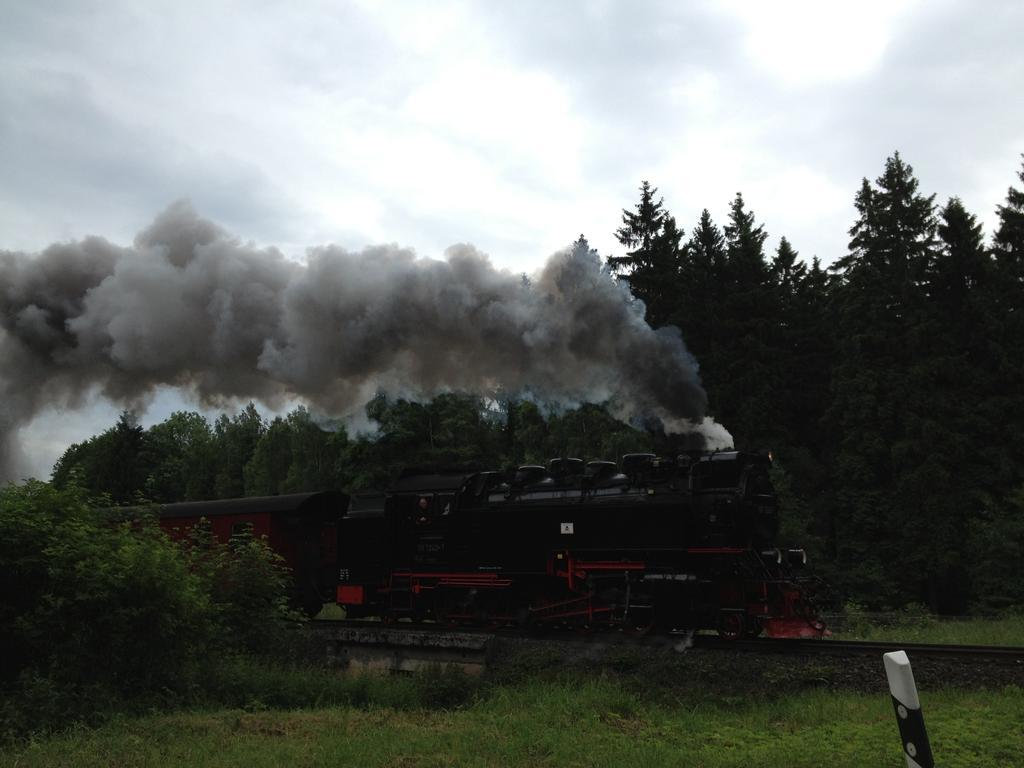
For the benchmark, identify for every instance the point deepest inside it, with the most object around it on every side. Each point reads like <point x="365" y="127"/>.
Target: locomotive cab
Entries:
<point x="733" y="501"/>
<point x="423" y="512"/>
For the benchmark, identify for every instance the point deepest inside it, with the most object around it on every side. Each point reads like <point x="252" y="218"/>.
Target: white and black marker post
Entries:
<point x="916" y="749"/>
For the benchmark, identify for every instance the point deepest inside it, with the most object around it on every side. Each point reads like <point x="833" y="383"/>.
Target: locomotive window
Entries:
<point x="430" y="505"/>
<point x="418" y="508"/>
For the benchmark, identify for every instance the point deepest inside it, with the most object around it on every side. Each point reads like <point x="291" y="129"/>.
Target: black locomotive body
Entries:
<point x="686" y="543"/>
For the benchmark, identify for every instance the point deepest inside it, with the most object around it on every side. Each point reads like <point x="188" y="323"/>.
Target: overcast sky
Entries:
<point x="511" y="126"/>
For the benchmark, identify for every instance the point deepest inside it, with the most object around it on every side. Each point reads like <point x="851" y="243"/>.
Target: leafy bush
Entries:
<point x="994" y="545"/>
<point x="101" y="615"/>
<point x="248" y="585"/>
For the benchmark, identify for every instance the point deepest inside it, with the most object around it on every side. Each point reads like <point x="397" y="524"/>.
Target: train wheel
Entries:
<point x="731" y="624"/>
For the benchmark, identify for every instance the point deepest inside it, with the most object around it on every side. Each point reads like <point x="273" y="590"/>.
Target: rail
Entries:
<point x="353" y="628"/>
<point x="859" y="647"/>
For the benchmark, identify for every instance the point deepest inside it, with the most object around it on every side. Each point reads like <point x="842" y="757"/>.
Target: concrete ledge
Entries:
<point x="362" y="650"/>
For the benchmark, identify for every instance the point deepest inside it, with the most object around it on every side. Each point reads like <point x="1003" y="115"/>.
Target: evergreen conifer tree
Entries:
<point x="701" y="289"/>
<point x="1008" y="242"/>
<point x="749" y="365"/>
<point x="1007" y="296"/>
<point x="651" y="266"/>
<point x="639" y="231"/>
<point x="942" y="460"/>
<point x="879" y="304"/>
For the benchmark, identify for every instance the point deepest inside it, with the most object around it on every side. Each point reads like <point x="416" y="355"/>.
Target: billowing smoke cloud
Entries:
<point x="191" y="306"/>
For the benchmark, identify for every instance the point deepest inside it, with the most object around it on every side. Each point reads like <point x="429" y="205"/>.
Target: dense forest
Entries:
<point x="889" y="386"/>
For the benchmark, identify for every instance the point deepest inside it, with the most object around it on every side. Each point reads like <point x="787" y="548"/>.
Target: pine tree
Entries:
<point x="701" y="289"/>
<point x="805" y="359"/>
<point x="744" y="240"/>
<point x="705" y="257"/>
<point x="801" y="348"/>
<point x="749" y="373"/>
<point x="1008" y="242"/>
<point x="879" y="304"/>
<point x="1007" y="329"/>
<point x="895" y="234"/>
<point x="651" y="266"/>
<point x="639" y="231"/>
<point x="963" y="267"/>
<point x="942" y="459"/>
<point x="787" y="272"/>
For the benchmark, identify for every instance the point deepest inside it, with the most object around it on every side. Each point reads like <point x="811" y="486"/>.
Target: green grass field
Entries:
<point x="925" y="628"/>
<point x="545" y="705"/>
<point x="592" y="723"/>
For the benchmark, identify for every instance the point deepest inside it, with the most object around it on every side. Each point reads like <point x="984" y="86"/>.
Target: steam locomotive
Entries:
<point x="645" y="544"/>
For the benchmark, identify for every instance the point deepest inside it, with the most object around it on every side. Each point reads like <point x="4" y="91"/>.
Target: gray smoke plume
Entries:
<point x="192" y="307"/>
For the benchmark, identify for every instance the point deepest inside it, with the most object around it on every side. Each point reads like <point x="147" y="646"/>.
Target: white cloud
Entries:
<point x="805" y="42"/>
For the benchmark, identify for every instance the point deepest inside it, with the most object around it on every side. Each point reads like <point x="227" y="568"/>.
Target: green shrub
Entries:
<point x="995" y="542"/>
<point x="124" y="608"/>
<point x="101" y="616"/>
<point x="248" y="585"/>
<point x="97" y="610"/>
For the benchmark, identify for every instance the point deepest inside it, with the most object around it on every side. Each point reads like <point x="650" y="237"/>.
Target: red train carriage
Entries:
<point x="301" y="527"/>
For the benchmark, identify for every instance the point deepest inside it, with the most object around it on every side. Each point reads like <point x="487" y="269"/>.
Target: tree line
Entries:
<point x="185" y="458"/>
<point x="888" y="384"/>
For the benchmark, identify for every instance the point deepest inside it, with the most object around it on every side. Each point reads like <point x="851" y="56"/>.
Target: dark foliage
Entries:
<point x="98" y="614"/>
<point x="889" y="388"/>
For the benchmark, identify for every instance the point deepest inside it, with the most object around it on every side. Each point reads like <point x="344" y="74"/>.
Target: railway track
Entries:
<point x="859" y="648"/>
<point x="427" y="632"/>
